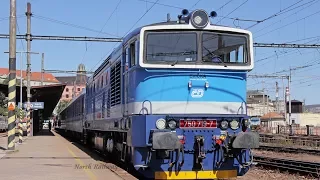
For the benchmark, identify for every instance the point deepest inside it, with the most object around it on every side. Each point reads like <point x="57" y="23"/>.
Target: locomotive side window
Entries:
<point x="132" y="54"/>
<point x="127" y="57"/>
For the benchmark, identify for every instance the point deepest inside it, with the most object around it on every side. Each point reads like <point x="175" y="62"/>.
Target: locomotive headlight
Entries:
<point x="161" y="123"/>
<point x="224" y="124"/>
<point x="172" y="124"/>
<point x="234" y="124"/>
<point x="199" y="19"/>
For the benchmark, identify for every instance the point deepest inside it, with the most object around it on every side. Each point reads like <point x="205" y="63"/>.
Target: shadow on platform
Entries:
<point x="2" y="148"/>
<point x="44" y="132"/>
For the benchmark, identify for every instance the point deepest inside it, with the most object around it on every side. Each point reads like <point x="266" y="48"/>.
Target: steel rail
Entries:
<point x="289" y="149"/>
<point x="294" y="166"/>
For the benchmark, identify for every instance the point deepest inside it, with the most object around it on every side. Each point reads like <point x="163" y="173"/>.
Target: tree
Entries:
<point x="62" y="104"/>
<point x="3" y="104"/>
<point x="3" y="100"/>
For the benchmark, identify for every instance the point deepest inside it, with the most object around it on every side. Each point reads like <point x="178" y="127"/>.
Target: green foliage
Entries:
<point x="4" y="108"/>
<point x="3" y="100"/>
<point x="3" y="111"/>
<point x="3" y="104"/>
<point x="62" y="105"/>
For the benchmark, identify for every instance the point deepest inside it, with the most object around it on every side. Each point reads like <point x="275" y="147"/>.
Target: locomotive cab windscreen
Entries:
<point x="186" y="45"/>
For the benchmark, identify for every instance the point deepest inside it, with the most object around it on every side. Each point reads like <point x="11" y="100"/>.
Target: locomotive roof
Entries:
<point x="137" y="30"/>
<point x="129" y="36"/>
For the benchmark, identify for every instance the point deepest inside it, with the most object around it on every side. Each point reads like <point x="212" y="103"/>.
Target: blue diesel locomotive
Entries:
<point x="171" y="101"/>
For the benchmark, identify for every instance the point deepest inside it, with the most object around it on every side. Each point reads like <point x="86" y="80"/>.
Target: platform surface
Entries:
<point x="50" y="156"/>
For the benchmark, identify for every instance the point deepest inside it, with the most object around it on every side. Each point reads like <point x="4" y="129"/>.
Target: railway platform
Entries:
<point x="48" y="155"/>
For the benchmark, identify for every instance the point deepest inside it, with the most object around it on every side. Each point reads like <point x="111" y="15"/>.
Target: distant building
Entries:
<point x="315" y="108"/>
<point x="74" y="84"/>
<point x="35" y="77"/>
<point x="272" y="119"/>
<point x="296" y="110"/>
<point x="259" y="103"/>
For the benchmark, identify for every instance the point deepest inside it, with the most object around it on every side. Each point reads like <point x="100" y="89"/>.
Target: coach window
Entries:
<point x="101" y="81"/>
<point x="106" y="79"/>
<point x="132" y="54"/>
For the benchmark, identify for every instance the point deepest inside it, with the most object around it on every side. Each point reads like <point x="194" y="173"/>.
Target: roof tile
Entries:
<point x="35" y="76"/>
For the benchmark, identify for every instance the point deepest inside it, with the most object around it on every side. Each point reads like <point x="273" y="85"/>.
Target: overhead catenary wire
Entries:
<point x="264" y="28"/>
<point x="281" y="12"/>
<point x="286" y="52"/>
<point x="233" y="11"/>
<point x="181" y="8"/>
<point x="306" y="66"/>
<point x="7" y="18"/>
<point x="297" y="68"/>
<point x="115" y="9"/>
<point x="71" y="25"/>
<point x="126" y="34"/>
<point x="289" y="24"/>
<point x="195" y="4"/>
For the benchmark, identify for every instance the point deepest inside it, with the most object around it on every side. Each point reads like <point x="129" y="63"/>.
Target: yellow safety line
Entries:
<point x="88" y="171"/>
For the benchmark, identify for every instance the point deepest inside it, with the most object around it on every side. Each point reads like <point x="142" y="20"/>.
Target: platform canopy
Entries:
<point x="50" y="95"/>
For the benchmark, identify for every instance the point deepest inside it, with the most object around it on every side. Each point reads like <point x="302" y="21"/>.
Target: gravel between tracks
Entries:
<point x="282" y="155"/>
<point x="257" y="173"/>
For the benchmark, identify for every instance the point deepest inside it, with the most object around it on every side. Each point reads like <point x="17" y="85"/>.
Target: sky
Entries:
<point x="292" y="21"/>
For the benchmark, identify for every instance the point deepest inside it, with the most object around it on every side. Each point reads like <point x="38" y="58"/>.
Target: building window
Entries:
<point x="67" y="95"/>
<point x="78" y="89"/>
<point x="67" y="89"/>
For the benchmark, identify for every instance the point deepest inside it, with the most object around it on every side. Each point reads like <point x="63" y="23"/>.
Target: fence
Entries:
<point x="297" y="142"/>
<point x="293" y="130"/>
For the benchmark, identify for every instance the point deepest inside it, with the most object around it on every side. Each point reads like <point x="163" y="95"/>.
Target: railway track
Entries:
<point x="289" y="149"/>
<point x="301" y="167"/>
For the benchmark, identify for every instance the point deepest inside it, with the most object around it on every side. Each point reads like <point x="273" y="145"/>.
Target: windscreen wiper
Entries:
<point x="181" y="54"/>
